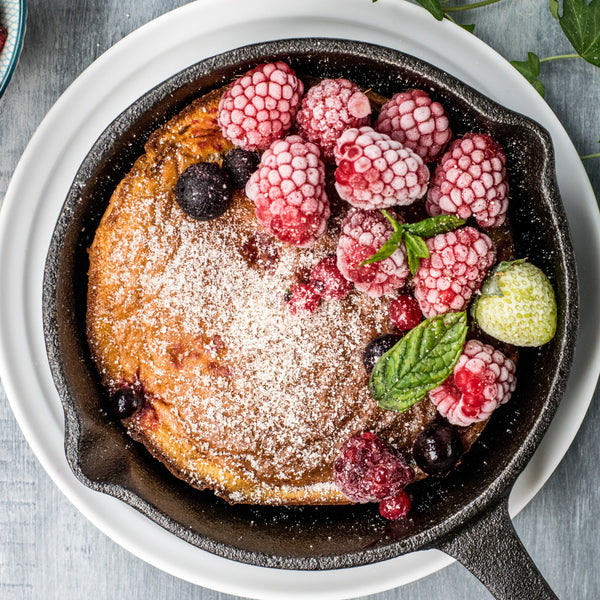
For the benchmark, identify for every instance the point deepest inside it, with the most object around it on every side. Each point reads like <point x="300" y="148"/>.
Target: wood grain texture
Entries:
<point x="48" y="550"/>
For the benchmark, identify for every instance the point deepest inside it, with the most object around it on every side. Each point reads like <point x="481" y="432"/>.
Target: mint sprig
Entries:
<point x="423" y="359"/>
<point x="412" y="234"/>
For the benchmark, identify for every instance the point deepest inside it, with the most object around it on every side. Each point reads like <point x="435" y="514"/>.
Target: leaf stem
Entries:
<point x="558" y="57"/>
<point x="588" y="156"/>
<point x="450" y="9"/>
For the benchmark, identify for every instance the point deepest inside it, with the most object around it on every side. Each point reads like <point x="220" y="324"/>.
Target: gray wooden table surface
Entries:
<point x="49" y="550"/>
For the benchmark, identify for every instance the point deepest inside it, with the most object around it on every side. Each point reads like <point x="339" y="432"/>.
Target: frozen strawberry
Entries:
<point x="517" y="305"/>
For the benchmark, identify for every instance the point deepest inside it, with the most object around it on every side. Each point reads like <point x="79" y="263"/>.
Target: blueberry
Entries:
<point x="377" y="347"/>
<point x="124" y="403"/>
<point x="240" y="164"/>
<point x="437" y="449"/>
<point x="203" y="191"/>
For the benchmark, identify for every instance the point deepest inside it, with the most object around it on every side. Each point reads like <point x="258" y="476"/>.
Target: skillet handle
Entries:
<point x="489" y="547"/>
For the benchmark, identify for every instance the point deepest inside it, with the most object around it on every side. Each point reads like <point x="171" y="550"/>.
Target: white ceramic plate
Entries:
<point x="133" y="66"/>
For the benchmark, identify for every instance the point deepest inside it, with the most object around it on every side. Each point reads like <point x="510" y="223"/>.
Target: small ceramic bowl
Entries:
<point x="13" y="15"/>
<point x="464" y="514"/>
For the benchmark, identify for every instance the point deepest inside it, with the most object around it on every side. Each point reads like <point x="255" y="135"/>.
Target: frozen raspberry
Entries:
<point x="288" y="190"/>
<point x="482" y="380"/>
<point x="370" y="470"/>
<point x="362" y="235"/>
<point x="327" y="280"/>
<point x="470" y="180"/>
<point x="374" y="171"/>
<point x="260" y="106"/>
<point x="457" y="265"/>
<point x="302" y="300"/>
<point x="405" y="312"/>
<point x="396" y="507"/>
<point x="417" y="122"/>
<point x="328" y="109"/>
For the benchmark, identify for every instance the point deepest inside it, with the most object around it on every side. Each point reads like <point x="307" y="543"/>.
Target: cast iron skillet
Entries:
<point x="465" y="514"/>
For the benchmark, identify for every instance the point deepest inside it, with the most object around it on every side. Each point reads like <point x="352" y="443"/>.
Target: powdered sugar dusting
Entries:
<point x="272" y="394"/>
<point x="194" y="314"/>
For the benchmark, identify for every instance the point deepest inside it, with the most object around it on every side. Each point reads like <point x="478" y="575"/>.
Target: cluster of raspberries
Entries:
<point x="379" y="163"/>
<point x="403" y="155"/>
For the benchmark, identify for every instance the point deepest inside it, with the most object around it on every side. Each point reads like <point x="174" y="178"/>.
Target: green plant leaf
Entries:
<point x="416" y="249"/>
<point x="530" y="69"/>
<point x="434" y="7"/>
<point x="431" y="227"/>
<point x="386" y="250"/>
<point x="410" y="234"/>
<point x="553" y="8"/>
<point x="581" y="24"/>
<point x="420" y="361"/>
<point x="469" y="28"/>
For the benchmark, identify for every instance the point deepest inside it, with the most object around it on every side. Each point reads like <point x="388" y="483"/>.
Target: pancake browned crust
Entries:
<point x="240" y="395"/>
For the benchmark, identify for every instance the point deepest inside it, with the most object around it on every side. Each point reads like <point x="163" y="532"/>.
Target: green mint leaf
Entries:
<point x="386" y="250"/>
<point x="420" y="361"/>
<point x="434" y="7"/>
<point x="411" y="233"/>
<point x="581" y="24"/>
<point x="530" y="69"/>
<point x="431" y="227"/>
<point x="390" y="246"/>
<point x="395" y="224"/>
<point x="416" y="249"/>
<point x="469" y="28"/>
<point x="553" y="8"/>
